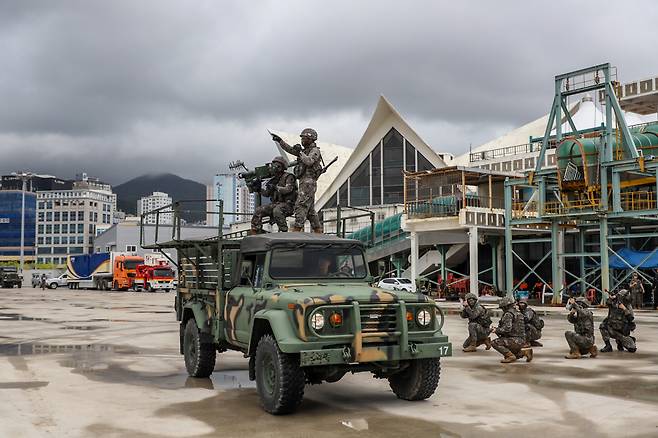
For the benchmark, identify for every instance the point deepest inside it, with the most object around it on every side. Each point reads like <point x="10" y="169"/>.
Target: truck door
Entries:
<point x="242" y="302"/>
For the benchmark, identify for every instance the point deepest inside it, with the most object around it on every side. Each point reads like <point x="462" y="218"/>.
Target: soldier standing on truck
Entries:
<point x="282" y="191"/>
<point x="307" y="171"/>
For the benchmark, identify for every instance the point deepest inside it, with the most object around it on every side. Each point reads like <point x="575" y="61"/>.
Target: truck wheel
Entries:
<point x="199" y="350"/>
<point x="53" y="285"/>
<point x="418" y="381"/>
<point x="279" y="378"/>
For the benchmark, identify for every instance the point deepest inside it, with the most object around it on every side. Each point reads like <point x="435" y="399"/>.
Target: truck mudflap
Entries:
<point x="345" y="355"/>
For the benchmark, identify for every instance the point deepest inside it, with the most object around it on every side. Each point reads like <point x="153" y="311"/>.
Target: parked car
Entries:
<point x="54" y="283"/>
<point x="401" y="284"/>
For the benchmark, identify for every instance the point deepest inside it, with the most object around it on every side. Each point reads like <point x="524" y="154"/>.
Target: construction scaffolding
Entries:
<point x="599" y="199"/>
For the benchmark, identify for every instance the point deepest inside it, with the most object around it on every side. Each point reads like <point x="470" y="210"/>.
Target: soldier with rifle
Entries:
<point x="281" y="188"/>
<point x="581" y="341"/>
<point x="619" y="324"/>
<point x="308" y="170"/>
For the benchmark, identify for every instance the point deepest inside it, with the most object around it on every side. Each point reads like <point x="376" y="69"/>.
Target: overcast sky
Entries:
<point x="123" y="88"/>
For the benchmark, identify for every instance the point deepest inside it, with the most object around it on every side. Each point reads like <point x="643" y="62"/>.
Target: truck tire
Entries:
<point x="199" y="351"/>
<point x="279" y="378"/>
<point x="53" y="285"/>
<point x="418" y="381"/>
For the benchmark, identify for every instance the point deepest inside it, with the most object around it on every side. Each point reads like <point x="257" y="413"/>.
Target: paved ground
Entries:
<point x="85" y="363"/>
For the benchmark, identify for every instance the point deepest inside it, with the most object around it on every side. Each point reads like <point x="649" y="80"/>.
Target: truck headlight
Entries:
<point x="424" y="318"/>
<point x="317" y="321"/>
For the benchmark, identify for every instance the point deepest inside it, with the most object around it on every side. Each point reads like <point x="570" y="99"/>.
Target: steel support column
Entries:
<point x="557" y="248"/>
<point x="473" y="270"/>
<point x="509" y="259"/>
<point x="605" y="261"/>
<point x="414" y="255"/>
<point x="581" y="259"/>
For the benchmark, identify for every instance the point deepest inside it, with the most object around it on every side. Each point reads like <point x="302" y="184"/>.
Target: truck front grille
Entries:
<point x="378" y="319"/>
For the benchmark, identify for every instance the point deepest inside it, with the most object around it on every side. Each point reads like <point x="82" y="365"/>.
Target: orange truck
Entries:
<point x="104" y="271"/>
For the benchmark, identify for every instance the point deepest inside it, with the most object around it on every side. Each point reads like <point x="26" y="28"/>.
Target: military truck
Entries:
<point x="9" y="277"/>
<point x="301" y="308"/>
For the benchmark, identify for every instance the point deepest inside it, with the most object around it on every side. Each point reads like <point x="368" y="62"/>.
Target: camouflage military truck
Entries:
<point x="301" y="308"/>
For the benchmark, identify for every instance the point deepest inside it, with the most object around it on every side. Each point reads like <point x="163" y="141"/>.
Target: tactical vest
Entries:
<point x="518" y="324"/>
<point x="314" y="171"/>
<point x="282" y="181"/>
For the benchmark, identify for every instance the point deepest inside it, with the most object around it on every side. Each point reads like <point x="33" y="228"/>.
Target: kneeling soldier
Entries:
<point x="619" y="324"/>
<point x="581" y="341"/>
<point x="511" y="333"/>
<point x="479" y="324"/>
<point x="282" y="191"/>
<point x="533" y="324"/>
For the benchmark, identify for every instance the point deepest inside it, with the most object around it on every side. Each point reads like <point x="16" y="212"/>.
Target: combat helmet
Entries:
<point x="309" y="132"/>
<point x="470" y="296"/>
<point x="624" y="296"/>
<point x="582" y="301"/>
<point x="506" y="302"/>
<point x="281" y="161"/>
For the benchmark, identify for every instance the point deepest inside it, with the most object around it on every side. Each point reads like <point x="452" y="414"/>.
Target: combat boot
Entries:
<point x="573" y="355"/>
<point x="318" y="230"/>
<point x="253" y="231"/>
<point x="620" y="346"/>
<point x="509" y="357"/>
<point x="470" y="348"/>
<point x="536" y="344"/>
<point x="607" y="348"/>
<point x="592" y="351"/>
<point x="527" y="352"/>
<point x="487" y="343"/>
<point x="297" y="229"/>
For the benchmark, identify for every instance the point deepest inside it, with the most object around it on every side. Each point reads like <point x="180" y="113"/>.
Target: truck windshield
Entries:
<point x="9" y="269"/>
<point x="163" y="273"/>
<point x="132" y="264"/>
<point x="317" y="262"/>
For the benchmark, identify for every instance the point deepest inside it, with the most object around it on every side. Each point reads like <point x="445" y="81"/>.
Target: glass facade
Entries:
<point x="379" y="178"/>
<point x="360" y="184"/>
<point x="10" y="223"/>
<point x="376" y="156"/>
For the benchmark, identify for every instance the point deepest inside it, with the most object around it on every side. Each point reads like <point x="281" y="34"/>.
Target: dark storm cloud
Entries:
<point x="120" y="88"/>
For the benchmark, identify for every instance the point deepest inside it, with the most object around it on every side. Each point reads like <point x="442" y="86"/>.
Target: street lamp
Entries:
<point x="25" y="177"/>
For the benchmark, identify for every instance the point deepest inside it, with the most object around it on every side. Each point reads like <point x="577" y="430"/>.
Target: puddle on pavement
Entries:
<point x="19" y="317"/>
<point x="23" y="349"/>
<point x="557" y="377"/>
<point x="82" y="327"/>
<point x="313" y="419"/>
<point x="23" y="385"/>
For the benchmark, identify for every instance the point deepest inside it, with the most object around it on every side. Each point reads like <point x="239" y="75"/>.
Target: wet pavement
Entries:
<point x="88" y="363"/>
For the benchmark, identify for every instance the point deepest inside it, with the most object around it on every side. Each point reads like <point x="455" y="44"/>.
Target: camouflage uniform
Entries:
<point x="511" y="333"/>
<point x="581" y="341"/>
<point x="619" y="324"/>
<point x="478" y="324"/>
<point x="307" y="171"/>
<point x="637" y="291"/>
<point x="282" y="191"/>
<point x="533" y="324"/>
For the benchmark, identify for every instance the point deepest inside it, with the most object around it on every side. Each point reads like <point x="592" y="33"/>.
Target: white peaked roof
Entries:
<point x="383" y="119"/>
<point x="329" y="152"/>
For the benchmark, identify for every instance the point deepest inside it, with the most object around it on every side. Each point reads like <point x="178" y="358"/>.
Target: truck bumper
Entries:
<point x="346" y="355"/>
